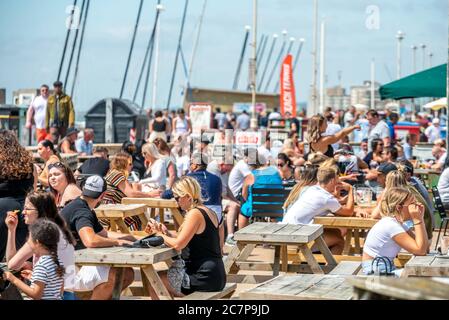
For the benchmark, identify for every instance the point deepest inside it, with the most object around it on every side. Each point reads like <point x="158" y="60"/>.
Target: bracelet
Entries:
<point x="415" y="224"/>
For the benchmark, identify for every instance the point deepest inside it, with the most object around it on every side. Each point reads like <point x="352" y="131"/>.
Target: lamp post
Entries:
<point x="430" y="59"/>
<point x="423" y="47"/>
<point x="400" y="36"/>
<point x="253" y="67"/>
<point x="414" y="48"/>
<point x="322" y="64"/>
<point x="313" y="109"/>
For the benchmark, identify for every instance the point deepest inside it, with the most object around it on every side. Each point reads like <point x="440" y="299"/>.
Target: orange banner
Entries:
<point x="288" y="99"/>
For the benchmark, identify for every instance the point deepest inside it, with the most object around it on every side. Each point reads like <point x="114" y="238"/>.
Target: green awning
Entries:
<point x="427" y="83"/>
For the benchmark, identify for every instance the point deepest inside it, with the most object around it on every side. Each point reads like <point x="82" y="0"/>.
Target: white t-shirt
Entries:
<point x="443" y="186"/>
<point x="158" y="176"/>
<point x="39" y="105"/>
<point x="332" y="129"/>
<point x="442" y="159"/>
<point x="221" y="119"/>
<point x="274" y="116"/>
<point x="315" y="201"/>
<point x="379" y="241"/>
<point x="237" y="175"/>
<point x="433" y="133"/>
<point x="213" y="168"/>
<point x="182" y="165"/>
<point x="380" y="131"/>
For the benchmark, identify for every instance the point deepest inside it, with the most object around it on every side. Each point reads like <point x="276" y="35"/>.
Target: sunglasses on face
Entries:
<point x="281" y="164"/>
<point x="56" y="165"/>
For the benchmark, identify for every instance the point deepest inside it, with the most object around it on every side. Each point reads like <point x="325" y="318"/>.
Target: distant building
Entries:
<point x="362" y="95"/>
<point x="24" y="96"/>
<point x="225" y="99"/>
<point x="336" y="98"/>
<point x="2" y="96"/>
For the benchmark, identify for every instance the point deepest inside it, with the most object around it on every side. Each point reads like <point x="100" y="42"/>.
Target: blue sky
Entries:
<point x="33" y="32"/>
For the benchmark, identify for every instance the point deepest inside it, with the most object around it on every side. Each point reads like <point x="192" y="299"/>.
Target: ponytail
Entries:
<point x="60" y="270"/>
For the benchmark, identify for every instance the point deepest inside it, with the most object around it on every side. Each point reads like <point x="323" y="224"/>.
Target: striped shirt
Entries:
<point x="114" y="195"/>
<point x="44" y="271"/>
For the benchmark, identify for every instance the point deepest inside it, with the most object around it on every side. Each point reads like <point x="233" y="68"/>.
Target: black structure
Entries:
<point x="125" y="116"/>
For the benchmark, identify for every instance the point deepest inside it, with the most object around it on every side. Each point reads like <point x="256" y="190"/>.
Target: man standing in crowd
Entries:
<point x="332" y="128"/>
<point x="433" y="132"/>
<point x="60" y="113"/>
<point x="393" y="120"/>
<point x="378" y="128"/>
<point x="82" y="221"/>
<point x="85" y="145"/>
<point x="37" y="112"/>
<point x="291" y="123"/>
<point x="410" y="142"/>
<point x="243" y="121"/>
<point x="221" y="119"/>
<point x="275" y="115"/>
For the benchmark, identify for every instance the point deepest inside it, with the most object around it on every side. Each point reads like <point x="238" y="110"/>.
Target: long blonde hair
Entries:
<point x="395" y="179"/>
<point x="314" y="128"/>
<point x="392" y="199"/>
<point x="308" y="178"/>
<point x="188" y="186"/>
<point x="151" y="149"/>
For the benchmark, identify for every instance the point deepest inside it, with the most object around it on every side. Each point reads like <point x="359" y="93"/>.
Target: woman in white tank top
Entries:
<point x="181" y="125"/>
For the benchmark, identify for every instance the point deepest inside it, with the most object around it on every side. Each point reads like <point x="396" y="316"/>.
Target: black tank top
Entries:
<point x="329" y="152"/>
<point x="159" y="126"/>
<point x="204" y="263"/>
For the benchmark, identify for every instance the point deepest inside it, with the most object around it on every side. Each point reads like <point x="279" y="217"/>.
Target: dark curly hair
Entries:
<point x="15" y="161"/>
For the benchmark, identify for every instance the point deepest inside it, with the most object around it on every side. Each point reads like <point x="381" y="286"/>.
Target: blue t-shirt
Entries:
<point x="392" y="131"/>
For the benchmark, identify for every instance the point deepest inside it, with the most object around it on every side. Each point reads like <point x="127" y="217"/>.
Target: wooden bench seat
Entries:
<point x="228" y="290"/>
<point x="347" y="268"/>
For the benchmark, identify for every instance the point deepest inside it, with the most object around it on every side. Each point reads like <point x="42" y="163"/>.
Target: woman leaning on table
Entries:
<point x="391" y="233"/>
<point x="201" y="267"/>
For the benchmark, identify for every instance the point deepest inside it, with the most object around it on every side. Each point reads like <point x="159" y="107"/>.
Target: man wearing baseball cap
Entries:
<point x="82" y="221"/>
<point x="433" y="132"/>
<point x="60" y="113"/>
<point x="384" y="169"/>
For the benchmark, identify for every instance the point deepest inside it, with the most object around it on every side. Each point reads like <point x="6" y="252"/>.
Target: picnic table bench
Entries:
<point x="116" y="213"/>
<point x="427" y="266"/>
<point x="124" y="257"/>
<point x="301" y="287"/>
<point x="279" y="236"/>
<point x="158" y="205"/>
<point x="353" y="225"/>
<point x="376" y="288"/>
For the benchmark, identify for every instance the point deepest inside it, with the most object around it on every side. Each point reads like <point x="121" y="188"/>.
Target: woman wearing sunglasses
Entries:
<point x="201" y="267"/>
<point x="285" y="169"/>
<point x="41" y="205"/>
<point x="48" y="153"/>
<point x="62" y="184"/>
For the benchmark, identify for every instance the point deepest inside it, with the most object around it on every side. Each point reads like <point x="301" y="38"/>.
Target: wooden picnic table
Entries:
<point x="375" y="288"/>
<point x="353" y="226"/>
<point x="427" y="266"/>
<point x="116" y="213"/>
<point x="280" y="236"/>
<point x="301" y="287"/>
<point x="158" y="205"/>
<point x="124" y="257"/>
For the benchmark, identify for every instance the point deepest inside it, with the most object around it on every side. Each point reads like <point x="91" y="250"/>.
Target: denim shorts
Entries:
<point x="380" y="268"/>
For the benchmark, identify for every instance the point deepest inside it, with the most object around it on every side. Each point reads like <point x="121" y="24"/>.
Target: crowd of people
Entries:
<point x="47" y="212"/>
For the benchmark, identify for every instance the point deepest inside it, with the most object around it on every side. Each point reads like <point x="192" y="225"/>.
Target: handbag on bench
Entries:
<point x="388" y="267"/>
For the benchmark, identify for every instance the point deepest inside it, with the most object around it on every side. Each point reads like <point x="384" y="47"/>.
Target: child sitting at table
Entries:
<point x="391" y="234"/>
<point x="47" y="279"/>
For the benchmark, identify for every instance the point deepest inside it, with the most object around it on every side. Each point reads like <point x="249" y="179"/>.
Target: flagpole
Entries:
<point x="447" y="93"/>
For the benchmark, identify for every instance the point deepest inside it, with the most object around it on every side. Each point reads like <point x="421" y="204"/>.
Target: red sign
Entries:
<point x="288" y="99"/>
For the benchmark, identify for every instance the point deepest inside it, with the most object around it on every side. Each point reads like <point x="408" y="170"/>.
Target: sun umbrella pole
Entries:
<point x="447" y="90"/>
